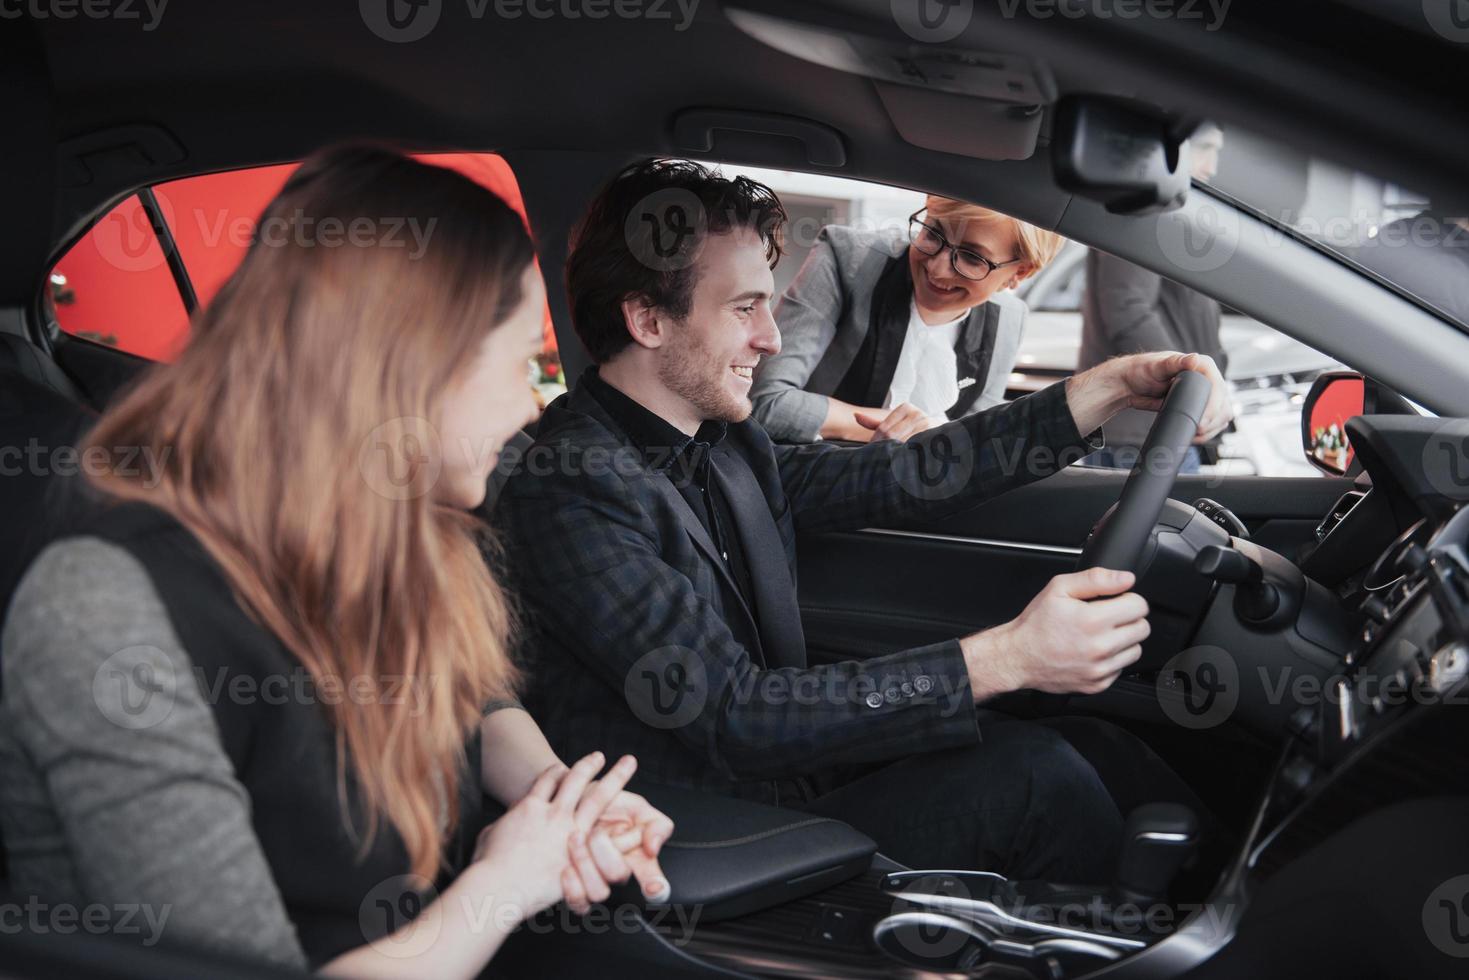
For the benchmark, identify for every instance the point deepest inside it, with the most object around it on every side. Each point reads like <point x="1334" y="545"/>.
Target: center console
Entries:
<point x="892" y="921"/>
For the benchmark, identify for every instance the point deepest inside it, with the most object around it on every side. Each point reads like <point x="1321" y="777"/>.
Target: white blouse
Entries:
<point x="927" y="371"/>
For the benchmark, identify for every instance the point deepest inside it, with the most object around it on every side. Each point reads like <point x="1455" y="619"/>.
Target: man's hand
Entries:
<point x="1061" y="643"/>
<point x="899" y="424"/>
<point x="637" y="831"/>
<point x="1142" y="381"/>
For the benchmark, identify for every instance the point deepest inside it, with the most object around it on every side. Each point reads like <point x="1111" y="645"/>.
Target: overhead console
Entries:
<point x="985" y="104"/>
<point x="944" y="93"/>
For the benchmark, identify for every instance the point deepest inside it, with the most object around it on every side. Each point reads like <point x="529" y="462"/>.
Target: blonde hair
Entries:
<point x="287" y="375"/>
<point x="1037" y="246"/>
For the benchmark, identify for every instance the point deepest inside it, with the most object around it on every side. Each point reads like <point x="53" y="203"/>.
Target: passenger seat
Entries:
<point x="41" y="412"/>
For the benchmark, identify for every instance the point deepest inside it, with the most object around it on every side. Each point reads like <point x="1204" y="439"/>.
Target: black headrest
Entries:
<point x="28" y="165"/>
<point x="39" y="431"/>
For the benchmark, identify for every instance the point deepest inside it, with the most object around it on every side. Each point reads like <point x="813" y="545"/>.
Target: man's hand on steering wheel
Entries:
<point x="1142" y="381"/>
<point x="1072" y="638"/>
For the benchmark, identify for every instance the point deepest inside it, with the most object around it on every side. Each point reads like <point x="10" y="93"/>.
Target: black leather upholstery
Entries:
<point x="730" y="857"/>
<point x="39" y="473"/>
<point x="19" y="356"/>
<point x="35" y="421"/>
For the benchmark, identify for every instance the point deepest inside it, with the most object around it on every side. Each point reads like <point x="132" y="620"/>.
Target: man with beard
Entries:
<point x="651" y="532"/>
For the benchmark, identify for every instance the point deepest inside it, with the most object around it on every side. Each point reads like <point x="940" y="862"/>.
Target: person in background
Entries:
<point x="1128" y="310"/>
<point x="265" y="690"/>
<point x="884" y="335"/>
<point x="1428" y="255"/>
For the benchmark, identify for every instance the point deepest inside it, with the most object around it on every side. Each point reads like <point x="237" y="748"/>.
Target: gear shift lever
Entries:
<point x="1157" y="839"/>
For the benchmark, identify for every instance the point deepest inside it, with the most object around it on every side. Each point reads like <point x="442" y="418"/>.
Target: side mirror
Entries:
<point x="1336" y="396"/>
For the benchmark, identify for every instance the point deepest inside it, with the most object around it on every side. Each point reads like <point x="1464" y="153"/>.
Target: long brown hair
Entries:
<point x="265" y="423"/>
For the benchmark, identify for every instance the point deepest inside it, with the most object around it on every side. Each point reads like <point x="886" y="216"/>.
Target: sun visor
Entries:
<point x="961" y="124"/>
<point x="983" y="104"/>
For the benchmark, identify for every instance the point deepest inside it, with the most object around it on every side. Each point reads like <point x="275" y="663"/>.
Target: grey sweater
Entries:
<point x="113" y="798"/>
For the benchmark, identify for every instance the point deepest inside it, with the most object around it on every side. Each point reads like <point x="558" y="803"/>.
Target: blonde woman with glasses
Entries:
<point x="885" y="334"/>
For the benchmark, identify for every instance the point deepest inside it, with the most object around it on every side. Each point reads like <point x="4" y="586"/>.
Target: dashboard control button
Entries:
<point x="1447" y="667"/>
<point x="1222" y="516"/>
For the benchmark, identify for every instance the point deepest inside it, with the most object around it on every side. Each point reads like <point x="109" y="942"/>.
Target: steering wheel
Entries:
<point x="1120" y="537"/>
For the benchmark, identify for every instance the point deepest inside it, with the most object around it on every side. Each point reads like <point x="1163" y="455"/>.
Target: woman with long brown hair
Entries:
<point x="259" y="695"/>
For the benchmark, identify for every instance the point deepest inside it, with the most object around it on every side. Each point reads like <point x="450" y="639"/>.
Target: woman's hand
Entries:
<point x="899" y="424"/>
<point x="619" y="835"/>
<point x="538" y="849"/>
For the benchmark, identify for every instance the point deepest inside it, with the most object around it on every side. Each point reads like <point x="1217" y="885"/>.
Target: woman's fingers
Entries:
<point x="591" y="879"/>
<point x="900" y="423"/>
<point x="607" y="857"/>
<point x="921" y="424"/>
<point x="573" y="892"/>
<point x="545" y="785"/>
<point x="574" y="783"/>
<point x="601" y="793"/>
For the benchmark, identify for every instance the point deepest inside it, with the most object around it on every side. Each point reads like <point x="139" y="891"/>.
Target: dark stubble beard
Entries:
<point x="691" y="371"/>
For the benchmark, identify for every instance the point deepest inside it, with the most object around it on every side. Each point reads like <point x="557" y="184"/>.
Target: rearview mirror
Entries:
<point x="1127" y="157"/>
<point x="1334" y="397"/>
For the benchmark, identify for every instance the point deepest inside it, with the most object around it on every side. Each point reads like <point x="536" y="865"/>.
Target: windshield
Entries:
<point x="1389" y="230"/>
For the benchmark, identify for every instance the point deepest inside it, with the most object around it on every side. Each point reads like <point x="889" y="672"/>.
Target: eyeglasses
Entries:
<point x="966" y="261"/>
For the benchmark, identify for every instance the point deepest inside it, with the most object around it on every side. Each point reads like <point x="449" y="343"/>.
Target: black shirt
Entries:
<point x="690" y="465"/>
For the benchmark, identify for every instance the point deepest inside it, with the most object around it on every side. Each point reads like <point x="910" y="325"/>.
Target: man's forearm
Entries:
<point x="986" y="655"/>
<point x="1095" y="396"/>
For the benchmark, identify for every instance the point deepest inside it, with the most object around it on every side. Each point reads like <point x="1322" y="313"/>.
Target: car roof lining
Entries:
<point x="286" y="92"/>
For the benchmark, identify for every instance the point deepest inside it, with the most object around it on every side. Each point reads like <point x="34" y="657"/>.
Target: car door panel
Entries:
<point x="865" y="593"/>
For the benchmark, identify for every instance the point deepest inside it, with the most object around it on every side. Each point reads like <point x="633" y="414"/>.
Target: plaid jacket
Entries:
<point x="639" y="641"/>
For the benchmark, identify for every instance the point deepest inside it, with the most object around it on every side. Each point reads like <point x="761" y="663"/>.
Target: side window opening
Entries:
<point x="1270" y="372"/>
<point x="114" y="286"/>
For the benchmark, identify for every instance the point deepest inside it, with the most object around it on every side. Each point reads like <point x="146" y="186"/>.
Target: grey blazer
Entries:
<point x="824" y="317"/>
